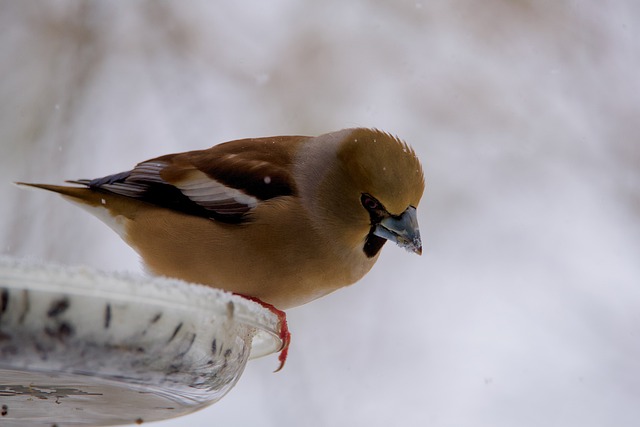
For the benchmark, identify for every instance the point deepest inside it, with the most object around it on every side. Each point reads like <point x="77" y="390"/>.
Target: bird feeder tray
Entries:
<point x="80" y="347"/>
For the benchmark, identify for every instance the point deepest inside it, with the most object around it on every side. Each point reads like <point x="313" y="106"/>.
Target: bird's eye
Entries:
<point x="370" y="203"/>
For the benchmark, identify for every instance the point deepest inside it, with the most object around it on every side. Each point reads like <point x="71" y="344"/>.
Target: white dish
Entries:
<point x="80" y="347"/>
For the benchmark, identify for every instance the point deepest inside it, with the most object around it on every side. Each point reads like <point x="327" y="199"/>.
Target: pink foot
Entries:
<point x="285" y="335"/>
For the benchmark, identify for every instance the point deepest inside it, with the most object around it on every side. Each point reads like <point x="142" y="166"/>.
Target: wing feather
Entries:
<point x="224" y="182"/>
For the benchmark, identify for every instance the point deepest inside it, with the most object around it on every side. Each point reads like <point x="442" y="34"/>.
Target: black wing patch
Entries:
<point x="145" y="183"/>
<point x="223" y="183"/>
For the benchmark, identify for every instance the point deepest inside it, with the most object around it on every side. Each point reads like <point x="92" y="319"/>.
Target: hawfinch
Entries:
<point x="283" y="219"/>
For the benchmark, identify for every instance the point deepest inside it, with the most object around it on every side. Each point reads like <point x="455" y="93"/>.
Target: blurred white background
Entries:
<point x="524" y="309"/>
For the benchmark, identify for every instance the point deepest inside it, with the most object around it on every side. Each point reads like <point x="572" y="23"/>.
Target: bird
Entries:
<point x="283" y="220"/>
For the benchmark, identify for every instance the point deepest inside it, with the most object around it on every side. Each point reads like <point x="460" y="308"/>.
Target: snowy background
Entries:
<point x="524" y="309"/>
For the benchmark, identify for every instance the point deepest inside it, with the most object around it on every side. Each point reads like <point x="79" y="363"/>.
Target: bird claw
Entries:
<point x="285" y="335"/>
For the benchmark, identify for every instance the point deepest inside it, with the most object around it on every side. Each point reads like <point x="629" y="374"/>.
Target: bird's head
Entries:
<point x="373" y="190"/>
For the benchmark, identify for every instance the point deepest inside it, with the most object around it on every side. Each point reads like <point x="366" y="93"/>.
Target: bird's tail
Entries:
<point x="77" y="194"/>
<point x="89" y="197"/>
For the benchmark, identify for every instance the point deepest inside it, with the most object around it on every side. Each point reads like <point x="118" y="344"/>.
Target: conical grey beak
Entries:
<point x="402" y="230"/>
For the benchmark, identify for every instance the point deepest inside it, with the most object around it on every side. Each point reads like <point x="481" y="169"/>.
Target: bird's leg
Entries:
<point x="285" y="335"/>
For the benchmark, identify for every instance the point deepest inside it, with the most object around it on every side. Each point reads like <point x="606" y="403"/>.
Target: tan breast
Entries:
<point x="257" y="259"/>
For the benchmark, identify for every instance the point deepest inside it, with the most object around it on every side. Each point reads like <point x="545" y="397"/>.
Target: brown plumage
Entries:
<point x="283" y="219"/>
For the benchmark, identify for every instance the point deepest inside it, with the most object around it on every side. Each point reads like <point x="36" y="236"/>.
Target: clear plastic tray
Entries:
<point x="80" y="347"/>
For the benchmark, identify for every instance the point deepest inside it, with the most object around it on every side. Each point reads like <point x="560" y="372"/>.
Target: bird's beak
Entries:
<point x="403" y="230"/>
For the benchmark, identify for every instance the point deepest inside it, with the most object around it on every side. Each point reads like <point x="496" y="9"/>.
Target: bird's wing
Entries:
<point x="224" y="182"/>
